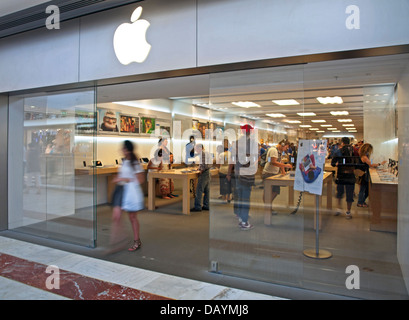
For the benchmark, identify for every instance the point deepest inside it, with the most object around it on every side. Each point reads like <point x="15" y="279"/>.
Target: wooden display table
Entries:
<point x="288" y="181"/>
<point x="383" y="196"/>
<point x="185" y="175"/>
<point x="104" y="176"/>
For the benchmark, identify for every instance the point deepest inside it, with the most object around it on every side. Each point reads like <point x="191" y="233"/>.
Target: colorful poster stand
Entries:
<point x="309" y="177"/>
<point x="309" y="171"/>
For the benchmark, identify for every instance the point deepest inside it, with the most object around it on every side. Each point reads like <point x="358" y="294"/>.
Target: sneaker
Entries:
<point x="205" y="208"/>
<point x="348" y="215"/>
<point x="246" y="226"/>
<point x="195" y="210"/>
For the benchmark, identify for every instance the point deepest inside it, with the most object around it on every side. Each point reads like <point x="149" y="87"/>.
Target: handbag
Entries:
<point x="359" y="172"/>
<point x="133" y="199"/>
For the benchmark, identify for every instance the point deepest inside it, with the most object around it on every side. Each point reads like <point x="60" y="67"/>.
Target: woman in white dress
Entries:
<point x="128" y="195"/>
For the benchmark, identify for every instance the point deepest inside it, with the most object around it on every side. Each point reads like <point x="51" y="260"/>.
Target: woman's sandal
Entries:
<point x="137" y="244"/>
<point x="362" y="205"/>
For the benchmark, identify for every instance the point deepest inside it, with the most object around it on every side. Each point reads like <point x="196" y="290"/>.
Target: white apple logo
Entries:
<point x="130" y="43"/>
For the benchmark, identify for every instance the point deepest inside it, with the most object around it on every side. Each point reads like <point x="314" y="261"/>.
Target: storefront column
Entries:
<point x="403" y="214"/>
<point x="4" y="162"/>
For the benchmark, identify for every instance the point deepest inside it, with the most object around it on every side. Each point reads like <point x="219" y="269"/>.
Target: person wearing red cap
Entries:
<point x="245" y="159"/>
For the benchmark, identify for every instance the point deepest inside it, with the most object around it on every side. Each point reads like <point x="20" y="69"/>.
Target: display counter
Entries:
<point x="185" y="175"/>
<point x="286" y="180"/>
<point x="383" y="196"/>
<point x="105" y="186"/>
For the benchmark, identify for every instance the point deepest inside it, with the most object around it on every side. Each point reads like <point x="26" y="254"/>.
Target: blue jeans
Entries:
<point x="363" y="192"/>
<point x="242" y="200"/>
<point x="203" y="186"/>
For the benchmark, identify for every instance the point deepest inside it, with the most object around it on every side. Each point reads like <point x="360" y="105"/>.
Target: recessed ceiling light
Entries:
<point x="306" y="114"/>
<point x="318" y="121"/>
<point x="352" y="131"/>
<point x="246" y="104"/>
<point x="288" y="102"/>
<point x="305" y="126"/>
<point x="330" y="100"/>
<point x="314" y="129"/>
<point x="276" y="115"/>
<point x="348" y="125"/>
<point x="292" y="121"/>
<point x="344" y="120"/>
<point x="326" y="125"/>
<point x="339" y="113"/>
<point x="332" y="129"/>
<point x="321" y="131"/>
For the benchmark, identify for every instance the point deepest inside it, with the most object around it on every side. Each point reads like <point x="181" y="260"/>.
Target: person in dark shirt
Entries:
<point x="203" y="182"/>
<point x="345" y="162"/>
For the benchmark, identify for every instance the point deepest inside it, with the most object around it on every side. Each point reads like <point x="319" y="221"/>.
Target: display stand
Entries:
<point x="317" y="253"/>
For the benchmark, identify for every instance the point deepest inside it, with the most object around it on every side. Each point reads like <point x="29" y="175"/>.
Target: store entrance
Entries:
<point x="173" y="241"/>
<point x="283" y="105"/>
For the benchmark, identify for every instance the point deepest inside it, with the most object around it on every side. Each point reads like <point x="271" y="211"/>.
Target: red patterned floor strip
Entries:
<point x="71" y="285"/>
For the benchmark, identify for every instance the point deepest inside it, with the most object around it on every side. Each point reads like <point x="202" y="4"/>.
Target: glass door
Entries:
<point x="264" y="106"/>
<point x="51" y="181"/>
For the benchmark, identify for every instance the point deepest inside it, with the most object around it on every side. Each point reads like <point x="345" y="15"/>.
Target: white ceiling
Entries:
<point x="360" y="82"/>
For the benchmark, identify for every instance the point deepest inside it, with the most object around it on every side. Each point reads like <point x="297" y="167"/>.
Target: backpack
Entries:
<point x="346" y="164"/>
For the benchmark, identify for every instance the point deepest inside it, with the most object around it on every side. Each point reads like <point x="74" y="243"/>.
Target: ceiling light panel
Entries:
<point x="330" y="100"/>
<point x="276" y="115"/>
<point x="339" y="113"/>
<point x="306" y="114"/>
<point x="288" y="102"/>
<point x="292" y="121"/>
<point x="246" y="104"/>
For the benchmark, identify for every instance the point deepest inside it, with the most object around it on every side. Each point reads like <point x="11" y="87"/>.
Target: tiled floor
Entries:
<point x="33" y="272"/>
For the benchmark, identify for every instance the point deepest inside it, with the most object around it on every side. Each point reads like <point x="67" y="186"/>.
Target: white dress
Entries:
<point x="133" y="198"/>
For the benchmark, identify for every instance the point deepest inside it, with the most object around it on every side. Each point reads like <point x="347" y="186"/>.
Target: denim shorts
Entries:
<point x="117" y="196"/>
<point x="275" y="189"/>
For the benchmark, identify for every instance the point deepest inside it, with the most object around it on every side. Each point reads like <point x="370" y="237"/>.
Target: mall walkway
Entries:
<point x="26" y="270"/>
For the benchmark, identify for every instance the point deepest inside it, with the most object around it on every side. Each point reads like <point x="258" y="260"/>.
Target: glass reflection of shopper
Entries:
<point x="245" y="168"/>
<point x="344" y="161"/>
<point x="224" y="158"/>
<point x="190" y="150"/>
<point x="166" y="186"/>
<point x="128" y="195"/>
<point x="203" y="182"/>
<point x="274" y="166"/>
<point x="365" y="151"/>
<point x="33" y="166"/>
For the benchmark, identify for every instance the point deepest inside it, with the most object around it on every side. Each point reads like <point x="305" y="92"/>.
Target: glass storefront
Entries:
<point x="51" y="184"/>
<point x="63" y="134"/>
<point x="283" y="245"/>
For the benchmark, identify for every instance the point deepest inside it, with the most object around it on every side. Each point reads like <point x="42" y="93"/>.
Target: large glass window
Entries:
<point x="51" y="181"/>
<point x="269" y="101"/>
<point x="345" y="237"/>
